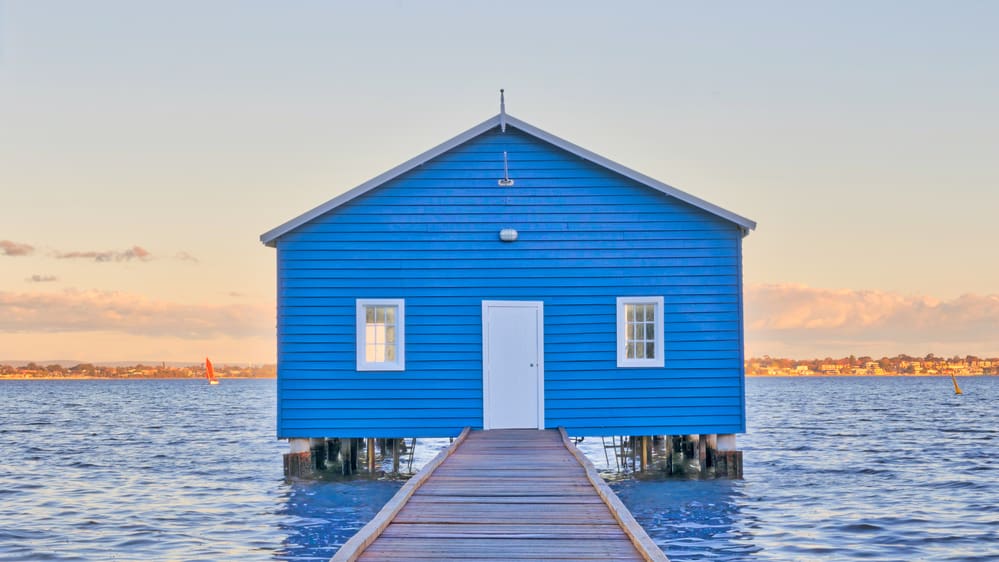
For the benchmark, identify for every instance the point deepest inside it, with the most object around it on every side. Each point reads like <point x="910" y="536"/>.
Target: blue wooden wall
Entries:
<point x="587" y="236"/>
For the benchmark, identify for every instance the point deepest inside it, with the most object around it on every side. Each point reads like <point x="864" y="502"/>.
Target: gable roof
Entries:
<point x="502" y="119"/>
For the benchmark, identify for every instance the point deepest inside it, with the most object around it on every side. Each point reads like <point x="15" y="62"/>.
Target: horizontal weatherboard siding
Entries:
<point x="586" y="236"/>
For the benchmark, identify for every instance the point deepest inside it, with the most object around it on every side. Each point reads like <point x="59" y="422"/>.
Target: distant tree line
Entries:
<point x="162" y="371"/>
<point x="902" y="363"/>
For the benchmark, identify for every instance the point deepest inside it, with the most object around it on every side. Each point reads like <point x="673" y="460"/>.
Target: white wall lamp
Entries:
<point x="508" y="235"/>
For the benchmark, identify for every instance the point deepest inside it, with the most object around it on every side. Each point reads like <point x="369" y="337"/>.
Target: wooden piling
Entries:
<point x="702" y="454"/>
<point x="726" y="468"/>
<point x="689" y="446"/>
<point x="729" y="457"/>
<point x="298" y="462"/>
<point x="668" y="451"/>
<point x="711" y="459"/>
<point x="346" y="445"/>
<point x="298" y="465"/>
<point x="735" y="464"/>
<point x="371" y="455"/>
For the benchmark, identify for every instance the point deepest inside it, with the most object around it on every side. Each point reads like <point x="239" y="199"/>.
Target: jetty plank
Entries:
<point x="504" y="495"/>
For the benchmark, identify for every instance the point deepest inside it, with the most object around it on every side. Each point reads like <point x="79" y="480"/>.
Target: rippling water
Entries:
<point x="844" y="469"/>
<point x="835" y="469"/>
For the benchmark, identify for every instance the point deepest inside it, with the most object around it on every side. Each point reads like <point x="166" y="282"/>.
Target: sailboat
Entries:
<point x="210" y="372"/>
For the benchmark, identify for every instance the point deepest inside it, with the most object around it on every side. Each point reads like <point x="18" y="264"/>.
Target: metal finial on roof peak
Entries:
<point x="502" y="111"/>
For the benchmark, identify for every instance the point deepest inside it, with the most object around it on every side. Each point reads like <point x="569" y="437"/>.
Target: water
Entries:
<point x="835" y="469"/>
<point x="844" y="469"/>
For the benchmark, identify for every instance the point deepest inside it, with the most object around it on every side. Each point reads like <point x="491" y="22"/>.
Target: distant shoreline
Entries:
<point x="22" y="378"/>
<point x="851" y="375"/>
<point x="748" y="376"/>
<point x="90" y="371"/>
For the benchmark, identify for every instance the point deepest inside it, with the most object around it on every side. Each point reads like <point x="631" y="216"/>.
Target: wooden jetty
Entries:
<point x="509" y="494"/>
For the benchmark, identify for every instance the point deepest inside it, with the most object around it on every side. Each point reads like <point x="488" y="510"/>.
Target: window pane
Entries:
<point x="639" y="351"/>
<point x="650" y="313"/>
<point x="380" y="334"/>
<point x="629" y="310"/>
<point x="630" y="351"/>
<point x="650" y="350"/>
<point x="640" y="332"/>
<point x="630" y="330"/>
<point x="650" y="332"/>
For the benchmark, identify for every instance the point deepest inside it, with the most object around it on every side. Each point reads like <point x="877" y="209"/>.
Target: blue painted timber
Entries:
<point x="587" y="235"/>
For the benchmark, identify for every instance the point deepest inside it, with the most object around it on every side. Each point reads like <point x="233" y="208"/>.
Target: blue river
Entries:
<point x="835" y="469"/>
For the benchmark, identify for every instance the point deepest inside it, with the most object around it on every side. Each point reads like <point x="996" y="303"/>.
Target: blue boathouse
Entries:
<point x="508" y="278"/>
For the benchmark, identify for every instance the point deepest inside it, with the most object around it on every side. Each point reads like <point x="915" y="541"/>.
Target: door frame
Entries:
<point x="540" y="307"/>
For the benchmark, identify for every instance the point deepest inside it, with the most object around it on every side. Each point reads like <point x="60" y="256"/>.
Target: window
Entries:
<point x="640" y="332"/>
<point x="381" y="330"/>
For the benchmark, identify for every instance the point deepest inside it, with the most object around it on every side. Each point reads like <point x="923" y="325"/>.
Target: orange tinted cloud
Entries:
<point x="133" y="253"/>
<point x="823" y="322"/>
<point x="88" y="311"/>
<point x="10" y="248"/>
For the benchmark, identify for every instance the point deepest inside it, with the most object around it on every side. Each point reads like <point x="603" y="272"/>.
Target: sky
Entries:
<point x="145" y="146"/>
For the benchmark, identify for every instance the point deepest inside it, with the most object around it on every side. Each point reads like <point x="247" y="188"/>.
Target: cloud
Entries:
<point x="125" y="313"/>
<point x="9" y="248"/>
<point x="782" y="318"/>
<point x="133" y="253"/>
<point x="41" y="278"/>
<point x="184" y="256"/>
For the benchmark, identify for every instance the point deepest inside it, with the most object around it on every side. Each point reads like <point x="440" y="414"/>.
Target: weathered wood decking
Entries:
<point x="504" y="495"/>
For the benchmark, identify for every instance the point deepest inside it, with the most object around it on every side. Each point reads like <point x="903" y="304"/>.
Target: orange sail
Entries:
<point x="210" y="372"/>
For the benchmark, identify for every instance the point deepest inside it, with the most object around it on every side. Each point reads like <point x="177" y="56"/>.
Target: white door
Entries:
<point x="512" y="364"/>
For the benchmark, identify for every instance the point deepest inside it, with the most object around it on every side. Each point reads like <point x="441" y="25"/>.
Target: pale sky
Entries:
<point x="145" y="146"/>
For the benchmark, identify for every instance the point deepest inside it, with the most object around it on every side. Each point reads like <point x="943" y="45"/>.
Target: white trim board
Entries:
<point x="539" y="306"/>
<point x="623" y="362"/>
<point x="362" y="364"/>
<point x="270" y="237"/>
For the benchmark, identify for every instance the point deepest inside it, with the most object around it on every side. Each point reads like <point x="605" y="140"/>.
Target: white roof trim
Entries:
<point x="270" y="237"/>
<point x="627" y="172"/>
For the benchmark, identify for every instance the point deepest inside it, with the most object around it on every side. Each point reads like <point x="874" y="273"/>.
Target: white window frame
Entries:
<point x="622" y="359"/>
<point x="400" y="336"/>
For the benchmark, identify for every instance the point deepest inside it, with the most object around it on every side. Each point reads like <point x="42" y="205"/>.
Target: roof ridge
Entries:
<point x="270" y="237"/>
